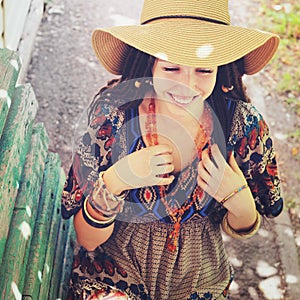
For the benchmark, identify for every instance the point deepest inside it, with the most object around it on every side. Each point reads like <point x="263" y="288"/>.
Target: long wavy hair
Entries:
<point x="139" y="65"/>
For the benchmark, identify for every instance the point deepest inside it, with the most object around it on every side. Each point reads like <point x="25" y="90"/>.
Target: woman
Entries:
<point x="173" y="150"/>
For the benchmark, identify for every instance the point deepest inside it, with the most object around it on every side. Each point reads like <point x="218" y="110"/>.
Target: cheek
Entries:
<point x="207" y="84"/>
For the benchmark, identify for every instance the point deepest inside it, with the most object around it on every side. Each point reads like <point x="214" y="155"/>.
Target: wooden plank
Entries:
<point x="10" y="66"/>
<point x="13" y="151"/>
<point x="1" y="24"/>
<point x="25" y="211"/>
<point x="39" y="244"/>
<point x="30" y="31"/>
<point x="59" y="258"/>
<point x="53" y="236"/>
<point x="15" y="13"/>
<point x="67" y="263"/>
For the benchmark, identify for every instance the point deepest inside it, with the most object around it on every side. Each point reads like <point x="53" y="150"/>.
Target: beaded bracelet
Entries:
<point x="237" y="190"/>
<point x="92" y="221"/>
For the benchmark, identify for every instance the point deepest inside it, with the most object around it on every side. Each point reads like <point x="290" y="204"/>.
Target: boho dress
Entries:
<point x="136" y="259"/>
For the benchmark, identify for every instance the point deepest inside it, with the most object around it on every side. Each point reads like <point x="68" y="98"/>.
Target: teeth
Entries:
<point x="182" y="100"/>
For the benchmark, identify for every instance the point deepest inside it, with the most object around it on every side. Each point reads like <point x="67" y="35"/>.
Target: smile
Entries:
<point x="182" y="100"/>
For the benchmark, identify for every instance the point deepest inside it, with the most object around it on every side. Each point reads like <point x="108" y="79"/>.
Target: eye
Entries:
<point x="171" y="69"/>
<point x="205" y="71"/>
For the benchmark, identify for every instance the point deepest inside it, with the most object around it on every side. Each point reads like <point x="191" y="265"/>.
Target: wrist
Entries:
<point x="113" y="182"/>
<point x="241" y="203"/>
<point x="89" y="218"/>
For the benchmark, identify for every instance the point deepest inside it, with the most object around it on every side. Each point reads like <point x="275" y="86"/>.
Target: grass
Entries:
<point x="284" y="20"/>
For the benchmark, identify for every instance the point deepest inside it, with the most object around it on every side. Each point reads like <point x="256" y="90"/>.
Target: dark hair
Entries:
<point x="139" y="65"/>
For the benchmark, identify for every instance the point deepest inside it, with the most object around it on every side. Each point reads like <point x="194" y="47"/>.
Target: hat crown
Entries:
<point x="216" y="10"/>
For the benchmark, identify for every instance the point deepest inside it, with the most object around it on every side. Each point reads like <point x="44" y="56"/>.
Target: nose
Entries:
<point x="189" y="83"/>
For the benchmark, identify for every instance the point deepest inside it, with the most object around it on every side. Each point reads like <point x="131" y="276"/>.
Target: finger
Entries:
<point x="233" y="164"/>
<point x="217" y="156"/>
<point x="160" y="149"/>
<point x="165" y="169"/>
<point x="207" y="163"/>
<point x="203" y="185"/>
<point x="202" y="172"/>
<point x="159" y="160"/>
<point x="165" y="180"/>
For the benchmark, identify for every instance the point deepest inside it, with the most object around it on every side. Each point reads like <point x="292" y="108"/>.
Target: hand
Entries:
<point x="217" y="177"/>
<point x="146" y="167"/>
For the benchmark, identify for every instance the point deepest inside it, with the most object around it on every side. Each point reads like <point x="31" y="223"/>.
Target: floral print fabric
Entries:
<point x="104" y="143"/>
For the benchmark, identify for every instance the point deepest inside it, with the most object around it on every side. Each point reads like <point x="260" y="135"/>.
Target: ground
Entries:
<point x="65" y="75"/>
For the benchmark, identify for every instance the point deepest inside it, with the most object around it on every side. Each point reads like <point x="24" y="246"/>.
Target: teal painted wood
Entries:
<point x="59" y="259"/>
<point x="10" y="66"/>
<point x="13" y="150"/>
<point x="67" y="264"/>
<point x="53" y="237"/>
<point x="25" y="211"/>
<point x="39" y="244"/>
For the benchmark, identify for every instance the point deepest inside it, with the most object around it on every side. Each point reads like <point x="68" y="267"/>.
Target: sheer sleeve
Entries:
<point x="93" y="155"/>
<point x="256" y="157"/>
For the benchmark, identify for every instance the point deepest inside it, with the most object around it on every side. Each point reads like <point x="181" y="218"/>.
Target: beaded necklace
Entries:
<point x="201" y="140"/>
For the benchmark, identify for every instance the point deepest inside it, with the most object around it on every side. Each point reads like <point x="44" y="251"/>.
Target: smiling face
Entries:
<point x="182" y="85"/>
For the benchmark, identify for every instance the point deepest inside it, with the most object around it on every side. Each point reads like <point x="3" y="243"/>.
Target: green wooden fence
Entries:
<point x="36" y="245"/>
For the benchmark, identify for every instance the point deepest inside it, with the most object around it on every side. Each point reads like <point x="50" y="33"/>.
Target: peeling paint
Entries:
<point x="16" y="292"/>
<point x="47" y="268"/>
<point x="4" y="94"/>
<point x="14" y="63"/>
<point x="40" y="276"/>
<point x="28" y="211"/>
<point x="25" y="230"/>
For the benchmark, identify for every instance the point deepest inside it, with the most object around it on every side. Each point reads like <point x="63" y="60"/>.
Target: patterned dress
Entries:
<point x="135" y="259"/>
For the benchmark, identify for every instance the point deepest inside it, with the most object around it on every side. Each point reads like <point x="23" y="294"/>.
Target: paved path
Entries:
<point x="65" y="75"/>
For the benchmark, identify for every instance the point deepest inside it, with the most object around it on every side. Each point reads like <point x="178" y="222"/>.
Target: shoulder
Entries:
<point x="107" y="111"/>
<point x="246" y="120"/>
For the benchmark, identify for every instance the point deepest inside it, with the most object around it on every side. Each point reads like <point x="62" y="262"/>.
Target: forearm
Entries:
<point x="88" y="236"/>
<point x="99" y="209"/>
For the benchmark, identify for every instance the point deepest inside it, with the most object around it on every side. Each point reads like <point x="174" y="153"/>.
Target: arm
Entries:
<point x="88" y="236"/>
<point x="219" y="178"/>
<point x="256" y="166"/>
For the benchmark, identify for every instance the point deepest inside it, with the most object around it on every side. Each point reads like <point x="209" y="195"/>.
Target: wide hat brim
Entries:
<point x="186" y="42"/>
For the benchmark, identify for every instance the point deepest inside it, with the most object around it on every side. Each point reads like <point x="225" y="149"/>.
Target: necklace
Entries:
<point x="201" y="140"/>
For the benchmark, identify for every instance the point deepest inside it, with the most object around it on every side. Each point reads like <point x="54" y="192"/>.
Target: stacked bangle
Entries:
<point x="237" y="190"/>
<point x="92" y="221"/>
<point x="244" y="234"/>
<point x="103" y="201"/>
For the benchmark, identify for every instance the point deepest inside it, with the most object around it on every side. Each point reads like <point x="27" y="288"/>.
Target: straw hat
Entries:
<point x="187" y="32"/>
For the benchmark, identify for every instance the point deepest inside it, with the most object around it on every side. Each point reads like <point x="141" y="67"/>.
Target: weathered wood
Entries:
<point x="25" y="211"/>
<point x="67" y="264"/>
<point x="39" y="244"/>
<point x="15" y="18"/>
<point x="60" y="263"/>
<point x="13" y="150"/>
<point x="10" y="66"/>
<point x="1" y="25"/>
<point x="53" y="236"/>
<point x="30" y="31"/>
